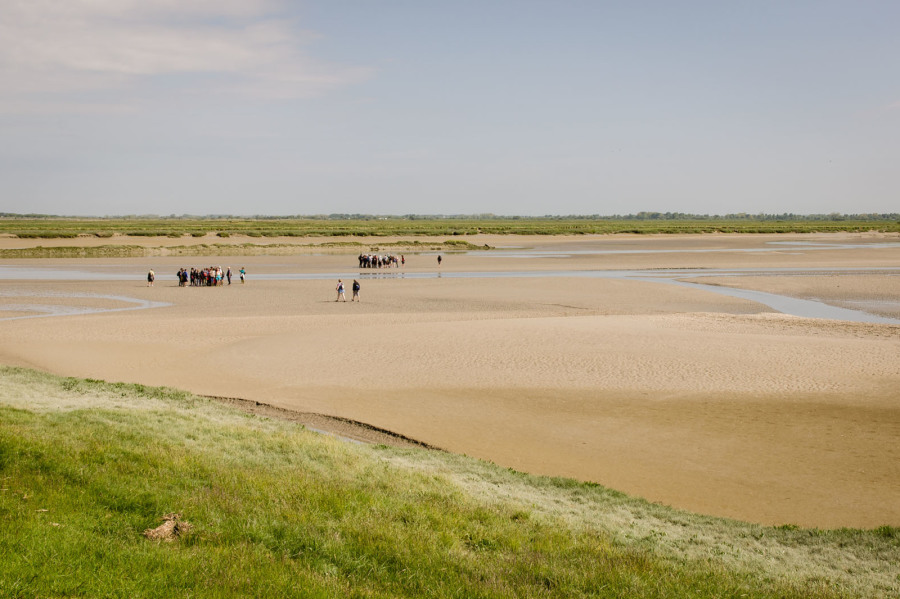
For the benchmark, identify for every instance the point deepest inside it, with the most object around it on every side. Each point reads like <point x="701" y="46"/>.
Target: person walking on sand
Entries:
<point x="151" y="276"/>
<point x="439" y="259"/>
<point x="355" y="291"/>
<point x="228" y="275"/>
<point x="340" y="291"/>
<point x="243" y="272"/>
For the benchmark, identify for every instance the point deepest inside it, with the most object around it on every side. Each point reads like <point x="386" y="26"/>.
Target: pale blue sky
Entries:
<point x="245" y="107"/>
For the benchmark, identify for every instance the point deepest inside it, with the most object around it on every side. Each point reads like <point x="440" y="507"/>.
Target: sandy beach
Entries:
<point x="677" y="394"/>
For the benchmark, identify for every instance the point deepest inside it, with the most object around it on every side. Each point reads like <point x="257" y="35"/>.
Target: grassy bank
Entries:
<point x="275" y="510"/>
<point x="428" y="227"/>
<point x="237" y="249"/>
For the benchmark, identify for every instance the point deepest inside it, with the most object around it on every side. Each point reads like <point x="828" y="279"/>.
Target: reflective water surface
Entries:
<point x="788" y="305"/>
<point x="32" y="309"/>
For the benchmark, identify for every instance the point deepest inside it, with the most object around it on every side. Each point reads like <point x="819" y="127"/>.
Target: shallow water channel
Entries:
<point x="806" y="308"/>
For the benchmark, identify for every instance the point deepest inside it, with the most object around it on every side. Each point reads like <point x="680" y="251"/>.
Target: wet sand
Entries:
<point x="682" y="396"/>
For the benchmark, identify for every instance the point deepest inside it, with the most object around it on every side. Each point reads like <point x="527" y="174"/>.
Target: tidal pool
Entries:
<point x="806" y="308"/>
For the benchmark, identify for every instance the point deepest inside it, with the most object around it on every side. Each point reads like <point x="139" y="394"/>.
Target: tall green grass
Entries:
<point x="278" y="511"/>
<point x="396" y="226"/>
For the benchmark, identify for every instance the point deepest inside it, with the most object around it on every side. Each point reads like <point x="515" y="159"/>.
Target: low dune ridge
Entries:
<point x="680" y="395"/>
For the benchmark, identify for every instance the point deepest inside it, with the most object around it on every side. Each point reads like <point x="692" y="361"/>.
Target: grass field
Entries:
<point x="380" y="227"/>
<point x="237" y="249"/>
<point x="275" y="510"/>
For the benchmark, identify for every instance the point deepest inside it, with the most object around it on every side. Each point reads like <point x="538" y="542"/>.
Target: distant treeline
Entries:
<point x="434" y="227"/>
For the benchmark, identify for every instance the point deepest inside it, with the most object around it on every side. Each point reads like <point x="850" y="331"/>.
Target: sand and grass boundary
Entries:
<point x="87" y="464"/>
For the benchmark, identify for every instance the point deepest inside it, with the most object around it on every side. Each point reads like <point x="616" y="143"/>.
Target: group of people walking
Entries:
<point x="212" y="276"/>
<point x="376" y="261"/>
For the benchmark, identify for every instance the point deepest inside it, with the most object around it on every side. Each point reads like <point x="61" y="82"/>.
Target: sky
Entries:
<point x="556" y="107"/>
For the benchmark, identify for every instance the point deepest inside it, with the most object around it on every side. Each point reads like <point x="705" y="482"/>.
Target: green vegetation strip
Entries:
<point x="363" y="226"/>
<point x="243" y="249"/>
<point x="268" y="509"/>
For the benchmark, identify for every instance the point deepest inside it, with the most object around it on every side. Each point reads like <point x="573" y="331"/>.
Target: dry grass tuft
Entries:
<point x="172" y="528"/>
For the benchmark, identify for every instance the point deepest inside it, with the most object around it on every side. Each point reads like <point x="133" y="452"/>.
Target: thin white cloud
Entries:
<point x="52" y="47"/>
